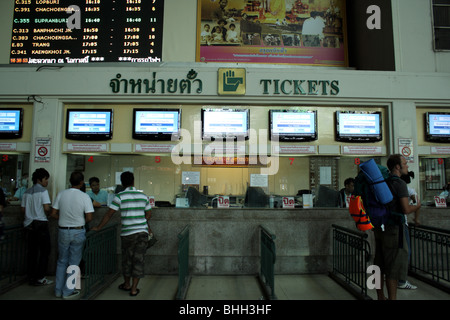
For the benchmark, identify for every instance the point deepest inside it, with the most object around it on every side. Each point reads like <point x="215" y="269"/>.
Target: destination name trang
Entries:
<point x="300" y="87"/>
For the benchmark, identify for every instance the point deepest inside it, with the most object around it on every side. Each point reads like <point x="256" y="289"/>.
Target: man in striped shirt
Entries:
<point x="135" y="209"/>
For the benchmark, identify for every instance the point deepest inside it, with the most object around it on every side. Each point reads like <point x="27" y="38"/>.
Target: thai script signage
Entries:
<point x="229" y="82"/>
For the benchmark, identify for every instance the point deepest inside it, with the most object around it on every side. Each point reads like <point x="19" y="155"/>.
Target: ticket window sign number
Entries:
<point x="440" y="202"/>
<point x="223" y="202"/>
<point x="288" y="203"/>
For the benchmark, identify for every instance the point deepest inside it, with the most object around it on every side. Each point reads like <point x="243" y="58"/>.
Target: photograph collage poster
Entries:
<point x="301" y="32"/>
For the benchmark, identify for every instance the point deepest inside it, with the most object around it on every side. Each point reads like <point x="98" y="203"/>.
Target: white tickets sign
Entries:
<point x="440" y="202"/>
<point x="223" y="202"/>
<point x="288" y="203"/>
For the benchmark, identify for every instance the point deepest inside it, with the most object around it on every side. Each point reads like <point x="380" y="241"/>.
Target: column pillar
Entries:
<point x="48" y="119"/>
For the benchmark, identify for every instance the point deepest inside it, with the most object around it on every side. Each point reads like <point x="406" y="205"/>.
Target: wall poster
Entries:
<point x="300" y="32"/>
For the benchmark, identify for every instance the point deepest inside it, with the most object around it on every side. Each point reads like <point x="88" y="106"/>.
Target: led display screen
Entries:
<point x="354" y="126"/>
<point x="45" y="32"/>
<point x="11" y="123"/>
<point x="156" y="124"/>
<point x="290" y="125"/>
<point x="225" y="123"/>
<point x="88" y="124"/>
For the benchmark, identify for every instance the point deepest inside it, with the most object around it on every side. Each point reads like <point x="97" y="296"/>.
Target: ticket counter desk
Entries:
<point x="226" y="241"/>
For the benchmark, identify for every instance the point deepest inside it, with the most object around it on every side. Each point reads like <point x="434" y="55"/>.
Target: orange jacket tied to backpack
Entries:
<point x="358" y="213"/>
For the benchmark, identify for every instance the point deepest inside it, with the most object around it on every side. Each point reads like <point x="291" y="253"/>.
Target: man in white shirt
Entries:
<point x="35" y="206"/>
<point x="312" y="30"/>
<point x="71" y="206"/>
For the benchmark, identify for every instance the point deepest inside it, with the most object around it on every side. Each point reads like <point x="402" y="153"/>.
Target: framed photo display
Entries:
<point x="296" y="32"/>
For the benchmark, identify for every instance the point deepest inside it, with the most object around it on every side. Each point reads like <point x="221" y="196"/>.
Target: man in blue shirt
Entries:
<point x="99" y="197"/>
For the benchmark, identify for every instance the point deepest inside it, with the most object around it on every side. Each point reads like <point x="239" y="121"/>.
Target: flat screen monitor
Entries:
<point x="156" y="124"/>
<point x="89" y="124"/>
<point x="11" y="123"/>
<point x="195" y="198"/>
<point x="437" y="126"/>
<point x="358" y="126"/>
<point x="327" y="197"/>
<point x="291" y="125"/>
<point x="221" y="124"/>
<point x="256" y="197"/>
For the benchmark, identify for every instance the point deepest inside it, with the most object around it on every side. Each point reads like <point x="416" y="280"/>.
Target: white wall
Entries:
<point x="413" y="37"/>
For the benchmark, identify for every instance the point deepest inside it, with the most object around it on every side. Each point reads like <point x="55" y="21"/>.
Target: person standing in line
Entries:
<point x="73" y="209"/>
<point x="346" y="193"/>
<point x="391" y="249"/>
<point x="36" y="206"/>
<point x="404" y="283"/>
<point x="135" y="209"/>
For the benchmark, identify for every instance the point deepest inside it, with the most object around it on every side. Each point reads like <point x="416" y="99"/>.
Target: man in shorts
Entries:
<point x="135" y="209"/>
<point x="391" y="253"/>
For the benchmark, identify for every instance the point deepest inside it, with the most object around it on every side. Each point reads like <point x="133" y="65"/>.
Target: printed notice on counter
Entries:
<point x="259" y="180"/>
<point x="325" y="175"/>
<point x="190" y="177"/>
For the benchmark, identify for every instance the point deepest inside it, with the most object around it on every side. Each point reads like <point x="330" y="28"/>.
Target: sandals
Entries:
<point x="122" y="287"/>
<point x="134" y="294"/>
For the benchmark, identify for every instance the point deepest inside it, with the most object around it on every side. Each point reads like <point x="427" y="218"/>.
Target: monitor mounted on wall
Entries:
<point x="89" y="124"/>
<point x="11" y="123"/>
<point x="224" y="123"/>
<point x="292" y="125"/>
<point x="359" y="126"/>
<point x="156" y="124"/>
<point x="437" y="127"/>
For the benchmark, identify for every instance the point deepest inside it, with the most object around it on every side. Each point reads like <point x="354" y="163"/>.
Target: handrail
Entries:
<point x="430" y="255"/>
<point x="268" y="258"/>
<point x="183" y="263"/>
<point x="100" y="258"/>
<point x="351" y="254"/>
<point x="13" y="257"/>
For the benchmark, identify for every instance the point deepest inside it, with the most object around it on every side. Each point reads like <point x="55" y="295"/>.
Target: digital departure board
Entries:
<point x="92" y="31"/>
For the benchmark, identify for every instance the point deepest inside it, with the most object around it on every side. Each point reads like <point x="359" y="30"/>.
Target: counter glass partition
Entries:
<point x="14" y="176"/>
<point x="298" y="182"/>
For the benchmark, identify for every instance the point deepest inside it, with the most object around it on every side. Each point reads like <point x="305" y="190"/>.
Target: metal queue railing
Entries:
<point x="13" y="257"/>
<point x="183" y="263"/>
<point x="268" y="258"/>
<point x="100" y="260"/>
<point x="351" y="254"/>
<point x="430" y="255"/>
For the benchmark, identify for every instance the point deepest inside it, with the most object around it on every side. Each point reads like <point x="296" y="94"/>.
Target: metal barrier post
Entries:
<point x="100" y="258"/>
<point x="268" y="257"/>
<point x="351" y="253"/>
<point x="13" y="257"/>
<point x="430" y="255"/>
<point x="183" y="263"/>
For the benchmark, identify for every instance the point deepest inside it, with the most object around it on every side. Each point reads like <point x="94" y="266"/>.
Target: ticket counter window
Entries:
<point x="434" y="180"/>
<point x="14" y="176"/>
<point x="299" y="182"/>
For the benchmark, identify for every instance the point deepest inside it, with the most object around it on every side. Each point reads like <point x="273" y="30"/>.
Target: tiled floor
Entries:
<point x="287" y="287"/>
